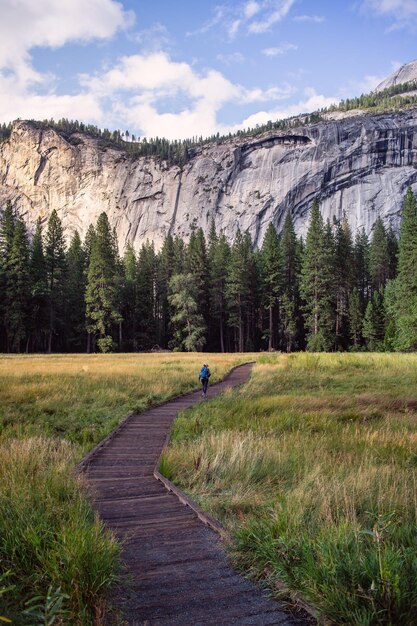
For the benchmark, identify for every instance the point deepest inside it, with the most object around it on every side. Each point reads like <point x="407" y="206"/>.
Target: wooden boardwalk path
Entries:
<point x="177" y="571"/>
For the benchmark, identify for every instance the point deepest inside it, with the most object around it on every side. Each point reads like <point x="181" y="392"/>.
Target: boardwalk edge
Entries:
<point x="207" y="519"/>
<point x="215" y="525"/>
<point x="182" y="497"/>
<point x="83" y="464"/>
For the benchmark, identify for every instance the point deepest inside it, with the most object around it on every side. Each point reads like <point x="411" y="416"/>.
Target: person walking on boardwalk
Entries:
<point x="204" y="376"/>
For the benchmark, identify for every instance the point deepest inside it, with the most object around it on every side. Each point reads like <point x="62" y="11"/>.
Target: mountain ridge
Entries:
<point x="407" y="73"/>
<point x="360" y="164"/>
<point x="358" y="157"/>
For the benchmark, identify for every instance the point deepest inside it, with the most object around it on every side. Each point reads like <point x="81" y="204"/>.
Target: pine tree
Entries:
<point x="390" y="308"/>
<point x="355" y="318"/>
<point x="271" y="279"/>
<point x="406" y="282"/>
<point x="219" y="254"/>
<point x="188" y="322"/>
<point x="129" y="299"/>
<point x="88" y="243"/>
<point x="212" y="325"/>
<point x="212" y="241"/>
<point x="254" y="308"/>
<point x="18" y="288"/>
<point x="290" y="281"/>
<point x="7" y="228"/>
<point x="55" y="271"/>
<point x="87" y="247"/>
<point x="145" y="285"/>
<point x="38" y="323"/>
<point x="379" y="260"/>
<point x="361" y="265"/>
<point x="101" y="292"/>
<point x="317" y="283"/>
<point x="166" y="263"/>
<point x="374" y="322"/>
<point x="392" y="246"/>
<point x="119" y="278"/>
<point x="344" y="278"/>
<point x="238" y="286"/>
<point x="75" y="294"/>
<point x="180" y="250"/>
<point x="197" y="265"/>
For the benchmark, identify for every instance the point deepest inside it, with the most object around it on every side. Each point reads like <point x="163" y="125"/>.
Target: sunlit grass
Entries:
<point x="312" y="466"/>
<point x="82" y="397"/>
<point x="52" y="410"/>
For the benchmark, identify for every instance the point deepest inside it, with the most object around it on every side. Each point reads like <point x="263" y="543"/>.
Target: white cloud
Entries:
<point x="309" y="18"/>
<point x="312" y="102"/>
<point x="26" y="24"/>
<point x="402" y="12"/>
<point x="231" y="59"/>
<point x="154" y="38"/>
<point x="266" y="95"/>
<point x="154" y="71"/>
<point x="279" y="50"/>
<point x="251" y="9"/>
<point x="239" y="17"/>
<point x="271" y="18"/>
<point x="233" y="28"/>
<point x="220" y="13"/>
<point x="21" y="103"/>
<point x="367" y="84"/>
<point x="134" y="91"/>
<point x="139" y="84"/>
<point x="135" y="88"/>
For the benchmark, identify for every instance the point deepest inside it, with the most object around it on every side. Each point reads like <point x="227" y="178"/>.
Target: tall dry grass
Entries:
<point x="312" y="466"/>
<point x="49" y="536"/>
<point x="52" y="410"/>
<point x="82" y="397"/>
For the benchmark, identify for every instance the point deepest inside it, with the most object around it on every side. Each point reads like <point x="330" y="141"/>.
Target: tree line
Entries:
<point x="331" y="291"/>
<point x="179" y="152"/>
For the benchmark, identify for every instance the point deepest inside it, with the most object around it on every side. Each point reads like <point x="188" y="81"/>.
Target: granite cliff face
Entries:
<point x="361" y="165"/>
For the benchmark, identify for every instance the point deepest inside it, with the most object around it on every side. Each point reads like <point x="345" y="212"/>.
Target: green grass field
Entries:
<point x="312" y="467"/>
<point x="54" y="553"/>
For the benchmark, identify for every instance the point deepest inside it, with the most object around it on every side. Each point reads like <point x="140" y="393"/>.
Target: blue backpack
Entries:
<point x="204" y="372"/>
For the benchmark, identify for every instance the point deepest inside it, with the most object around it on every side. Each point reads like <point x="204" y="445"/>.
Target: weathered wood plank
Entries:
<point x="176" y="571"/>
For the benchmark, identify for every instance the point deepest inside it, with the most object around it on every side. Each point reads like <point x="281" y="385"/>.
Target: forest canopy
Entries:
<point x="333" y="291"/>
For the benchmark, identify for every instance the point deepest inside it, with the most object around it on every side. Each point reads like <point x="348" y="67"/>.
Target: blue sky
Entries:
<point x="183" y="68"/>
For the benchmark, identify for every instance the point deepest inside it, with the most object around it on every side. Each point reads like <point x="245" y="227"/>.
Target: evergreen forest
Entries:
<point x="333" y="291"/>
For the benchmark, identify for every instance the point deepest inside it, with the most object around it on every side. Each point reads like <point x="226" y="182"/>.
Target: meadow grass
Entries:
<point x="312" y="467"/>
<point x="83" y="397"/>
<point x="53" y="409"/>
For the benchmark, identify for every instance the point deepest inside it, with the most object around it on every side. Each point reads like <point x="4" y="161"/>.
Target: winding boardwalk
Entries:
<point x="176" y="569"/>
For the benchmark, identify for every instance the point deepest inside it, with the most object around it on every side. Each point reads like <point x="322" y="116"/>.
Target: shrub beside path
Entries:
<point x="176" y="572"/>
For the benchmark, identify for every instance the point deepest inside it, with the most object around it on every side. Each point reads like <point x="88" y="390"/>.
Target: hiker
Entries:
<point x="204" y="376"/>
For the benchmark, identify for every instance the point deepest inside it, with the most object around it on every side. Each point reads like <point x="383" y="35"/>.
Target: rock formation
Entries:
<point x="405" y="74"/>
<point x="360" y="164"/>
